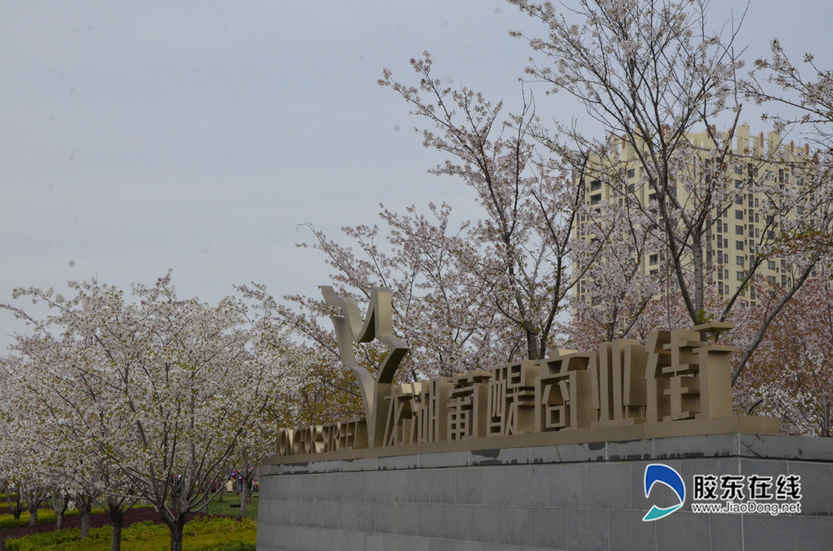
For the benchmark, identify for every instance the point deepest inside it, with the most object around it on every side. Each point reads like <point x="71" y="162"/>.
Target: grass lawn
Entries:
<point x="199" y="535"/>
<point x="225" y="507"/>
<point x="45" y="516"/>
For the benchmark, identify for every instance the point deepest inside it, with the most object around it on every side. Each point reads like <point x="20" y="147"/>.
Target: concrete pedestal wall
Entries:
<point x="571" y="497"/>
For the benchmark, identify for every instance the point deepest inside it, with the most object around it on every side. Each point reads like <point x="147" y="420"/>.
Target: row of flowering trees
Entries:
<point x="116" y="397"/>
<point x="503" y="283"/>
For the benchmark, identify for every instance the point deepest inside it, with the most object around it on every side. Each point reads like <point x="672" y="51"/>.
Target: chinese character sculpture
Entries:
<point x="678" y="383"/>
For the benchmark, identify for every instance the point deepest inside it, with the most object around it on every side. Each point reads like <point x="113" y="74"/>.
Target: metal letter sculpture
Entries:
<point x="378" y="324"/>
<point x="678" y="384"/>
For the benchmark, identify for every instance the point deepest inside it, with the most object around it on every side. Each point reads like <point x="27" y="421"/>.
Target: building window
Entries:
<point x="740" y="260"/>
<point x="654" y="258"/>
<point x="771" y="265"/>
<point x="738" y="199"/>
<point x="739" y="245"/>
<point x="739" y="214"/>
<point x="595" y="199"/>
<point x="631" y="172"/>
<point x="739" y="230"/>
<point x="741" y="274"/>
<point x="595" y="185"/>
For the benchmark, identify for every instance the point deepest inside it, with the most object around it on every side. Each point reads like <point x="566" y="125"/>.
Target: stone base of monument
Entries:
<point x="571" y="496"/>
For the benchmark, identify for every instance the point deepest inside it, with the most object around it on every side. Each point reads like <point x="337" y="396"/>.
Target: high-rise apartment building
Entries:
<point x="743" y="220"/>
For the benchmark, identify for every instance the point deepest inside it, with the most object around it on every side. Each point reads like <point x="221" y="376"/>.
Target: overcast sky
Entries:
<point x="137" y="136"/>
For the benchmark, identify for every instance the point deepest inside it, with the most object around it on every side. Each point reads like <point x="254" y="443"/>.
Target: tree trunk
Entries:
<point x="59" y="504"/>
<point x="15" y="506"/>
<point x="532" y="345"/>
<point x="33" y="514"/>
<point x="84" y="507"/>
<point x="115" y="538"/>
<point x="244" y="495"/>
<point x="116" y="520"/>
<point x="175" y="526"/>
<point x="699" y="277"/>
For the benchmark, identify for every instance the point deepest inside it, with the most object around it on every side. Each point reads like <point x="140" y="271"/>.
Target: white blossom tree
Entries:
<point x="24" y="457"/>
<point x="61" y="397"/>
<point x="178" y="381"/>
<point x="522" y="254"/>
<point x="653" y="76"/>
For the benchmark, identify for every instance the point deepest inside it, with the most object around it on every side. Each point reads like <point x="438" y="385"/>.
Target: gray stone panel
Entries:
<point x="548" y="525"/>
<point x="816" y="486"/>
<point x="629" y="533"/>
<point x="805" y="448"/>
<point x="608" y="486"/>
<point x="690" y="447"/>
<point x="726" y="532"/>
<point x="571" y="497"/>
<point x="814" y="534"/>
<point x="567" y="484"/>
<point x="568" y="453"/>
<point x="587" y="529"/>
<point x="444" y="460"/>
<point x="632" y="450"/>
<point x="766" y="532"/>
<point x="683" y="531"/>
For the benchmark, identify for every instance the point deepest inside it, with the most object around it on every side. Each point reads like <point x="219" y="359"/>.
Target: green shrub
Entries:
<point x="8" y="521"/>
<point x="42" y="540"/>
<point x="217" y="534"/>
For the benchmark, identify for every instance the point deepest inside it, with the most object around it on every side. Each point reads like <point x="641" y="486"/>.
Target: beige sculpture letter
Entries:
<point x="378" y="324"/>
